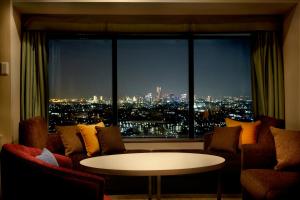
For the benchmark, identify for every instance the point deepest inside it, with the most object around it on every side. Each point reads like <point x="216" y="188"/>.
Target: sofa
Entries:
<point x="195" y="183"/>
<point x="259" y="179"/>
<point x="24" y="176"/>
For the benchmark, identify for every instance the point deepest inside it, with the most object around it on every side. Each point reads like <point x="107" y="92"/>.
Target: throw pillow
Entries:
<point x="70" y="139"/>
<point x="47" y="157"/>
<point x="225" y="139"/>
<point x="89" y="135"/>
<point x="248" y="134"/>
<point x="110" y="140"/>
<point x="265" y="136"/>
<point x="287" y="145"/>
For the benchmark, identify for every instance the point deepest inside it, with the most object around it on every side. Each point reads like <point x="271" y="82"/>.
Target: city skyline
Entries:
<point x="153" y="96"/>
<point x="77" y="74"/>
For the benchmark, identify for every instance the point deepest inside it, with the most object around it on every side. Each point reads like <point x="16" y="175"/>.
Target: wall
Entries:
<point x="291" y="49"/>
<point x="15" y="57"/>
<point x="5" y="81"/>
<point x="9" y="85"/>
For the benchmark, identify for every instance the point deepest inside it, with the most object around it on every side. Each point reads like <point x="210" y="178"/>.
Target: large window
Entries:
<point x="153" y="87"/>
<point x="80" y="81"/>
<point x="222" y="82"/>
<point x="145" y="84"/>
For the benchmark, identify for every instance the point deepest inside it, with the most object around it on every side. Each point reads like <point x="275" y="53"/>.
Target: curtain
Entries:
<point x="34" y="81"/>
<point x="267" y="75"/>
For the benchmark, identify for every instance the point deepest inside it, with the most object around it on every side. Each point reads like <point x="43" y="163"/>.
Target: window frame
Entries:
<point x="114" y="37"/>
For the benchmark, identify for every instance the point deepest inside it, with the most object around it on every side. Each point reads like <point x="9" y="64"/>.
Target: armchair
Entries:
<point x="259" y="179"/>
<point x="26" y="177"/>
<point x="33" y="132"/>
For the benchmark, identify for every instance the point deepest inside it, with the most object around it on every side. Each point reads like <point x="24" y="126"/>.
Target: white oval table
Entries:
<point x="154" y="165"/>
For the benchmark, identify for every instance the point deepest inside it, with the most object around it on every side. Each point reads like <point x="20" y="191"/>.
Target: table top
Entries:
<point x="153" y="164"/>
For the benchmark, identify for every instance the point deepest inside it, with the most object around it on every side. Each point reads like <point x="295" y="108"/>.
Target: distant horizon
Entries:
<point x="198" y="96"/>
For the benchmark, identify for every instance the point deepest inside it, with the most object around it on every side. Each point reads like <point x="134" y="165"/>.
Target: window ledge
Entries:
<point x="163" y="144"/>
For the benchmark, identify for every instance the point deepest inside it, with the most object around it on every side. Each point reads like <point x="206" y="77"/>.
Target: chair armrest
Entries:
<point x="256" y="156"/>
<point x="69" y="184"/>
<point x="64" y="161"/>
<point x="207" y="137"/>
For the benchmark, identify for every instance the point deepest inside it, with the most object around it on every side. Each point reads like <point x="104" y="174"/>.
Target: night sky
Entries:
<point x="82" y="68"/>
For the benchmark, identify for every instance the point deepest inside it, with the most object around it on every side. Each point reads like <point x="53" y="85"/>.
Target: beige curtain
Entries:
<point x="34" y="82"/>
<point x="267" y="75"/>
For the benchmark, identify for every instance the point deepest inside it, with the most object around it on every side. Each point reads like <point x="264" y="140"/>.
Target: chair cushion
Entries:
<point x="47" y="157"/>
<point x="89" y="135"/>
<point x="225" y="138"/>
<point x="287" y="144"/>
<point x="271" y="184"/>
<point x="110" y="140"/>
<point x="70" y="138"/>
<point x="265" y="136"/>
<point x="249" y="130"/>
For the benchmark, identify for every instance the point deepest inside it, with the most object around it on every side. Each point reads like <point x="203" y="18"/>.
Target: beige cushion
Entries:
<point x="110" y="140"/>
<point x="287" y="145"/>
<point x="225" y="139"/>
<point x="70" y="139"/>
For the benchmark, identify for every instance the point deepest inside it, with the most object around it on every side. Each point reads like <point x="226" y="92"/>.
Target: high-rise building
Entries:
<point x="158" y="92"/>
<point x="95" y="99"/>
<point x="134" y="99"/>
<point x="148" y="97"/>
<point x="183" y="97"/>
<point x="208" y="98"/>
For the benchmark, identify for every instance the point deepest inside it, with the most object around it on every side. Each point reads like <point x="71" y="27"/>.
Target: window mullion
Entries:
<point x="191" y="86"/>
<point x="114" y="81"/>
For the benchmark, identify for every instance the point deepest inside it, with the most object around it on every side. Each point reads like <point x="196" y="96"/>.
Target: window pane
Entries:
<point x="153" y="87"/>
<point x="222" y="82"/>
<point x="80" y="81"/>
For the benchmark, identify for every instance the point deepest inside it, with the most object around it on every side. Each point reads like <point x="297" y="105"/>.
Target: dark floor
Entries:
<point x="178" y="197"/>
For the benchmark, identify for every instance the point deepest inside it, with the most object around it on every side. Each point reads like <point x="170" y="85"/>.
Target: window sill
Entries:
<point x="152" y="144"/>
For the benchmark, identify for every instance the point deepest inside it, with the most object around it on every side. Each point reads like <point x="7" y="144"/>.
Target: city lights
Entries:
<point x="165" y="115"/>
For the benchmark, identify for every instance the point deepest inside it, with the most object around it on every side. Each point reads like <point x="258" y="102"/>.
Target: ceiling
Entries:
<point x="155" y="7"/>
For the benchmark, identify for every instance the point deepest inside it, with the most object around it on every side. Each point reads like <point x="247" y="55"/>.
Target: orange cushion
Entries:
<point x="248" y="133"/>
<point x="89" y="135"/>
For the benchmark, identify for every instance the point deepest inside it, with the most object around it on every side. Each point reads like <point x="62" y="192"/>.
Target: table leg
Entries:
<point x="150" y="187"/>
<point x="158" y="187"/>
<point x="219" y="192"/>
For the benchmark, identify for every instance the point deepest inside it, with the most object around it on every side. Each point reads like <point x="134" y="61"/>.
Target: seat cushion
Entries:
<point x="265" y="136"/>
<point x="47" y="157"/>
<point x="70" y="136"/>
<point x="110" y="140"/>
<point x="225" y="138"/>
<point x="89" y="135"/>
<point x="271" y="184"/>
<point x="248" y="134"/>
<point x="287" y="149"/>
